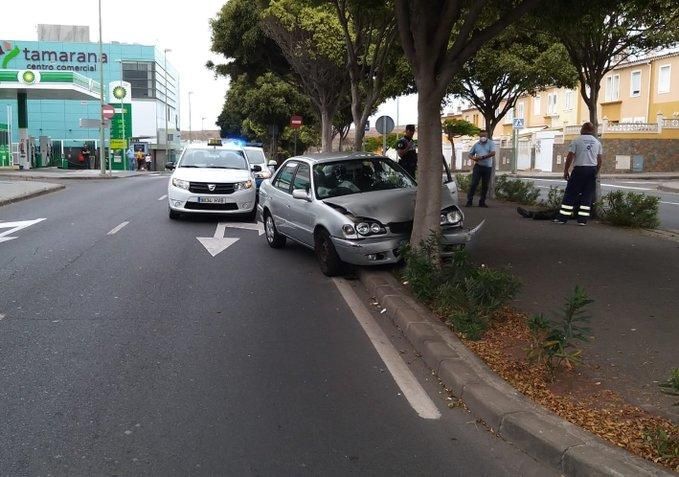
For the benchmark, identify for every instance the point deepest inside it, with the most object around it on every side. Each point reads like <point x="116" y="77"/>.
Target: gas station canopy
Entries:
<point x="64" y="85"/>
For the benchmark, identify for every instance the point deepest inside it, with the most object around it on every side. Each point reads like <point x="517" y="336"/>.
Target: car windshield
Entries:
<point x="354" y="176"/>
<point x="255" y="156"/>
<point x="213" y="158"/>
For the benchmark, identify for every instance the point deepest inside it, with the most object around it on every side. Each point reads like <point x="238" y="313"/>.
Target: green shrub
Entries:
<point x="554" y="198"/>
<point x="467" y="296"/>
<point x="671" y="386"/>
<point x="516" y="190"/>
<point x="464" y="181"/>
<point x="666" y="444"/>
<point x="553" y="342"/>
<point x="375" y="143"/>
<point x="629" y="209"/>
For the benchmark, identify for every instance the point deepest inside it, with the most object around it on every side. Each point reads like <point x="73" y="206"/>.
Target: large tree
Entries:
<point x="600" y="34"/>
<point x="518" y="62"/>
<point x="438" y="38"/>
<point x="312" y="41"/>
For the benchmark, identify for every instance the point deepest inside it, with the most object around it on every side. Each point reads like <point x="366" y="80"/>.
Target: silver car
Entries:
<point x="351" y="208"/>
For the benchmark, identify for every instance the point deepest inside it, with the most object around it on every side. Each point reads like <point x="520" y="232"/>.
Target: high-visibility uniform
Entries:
<point x="582" y="182"/>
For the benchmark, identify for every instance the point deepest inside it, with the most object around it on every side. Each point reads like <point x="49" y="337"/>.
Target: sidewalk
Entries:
<point x="14" y="191"/>
<point x="655" y="176"/>
<point x="55" y="173"/>
<point x="669" y="186"/>
<point x="632" y="277"/>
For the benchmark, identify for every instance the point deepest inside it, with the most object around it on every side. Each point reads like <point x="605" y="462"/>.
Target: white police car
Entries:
<point x="212" y="179"/>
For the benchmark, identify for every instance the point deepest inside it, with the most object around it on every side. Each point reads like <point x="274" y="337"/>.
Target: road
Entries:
<point x="127" y="349"/>
<point x="668" y="211"/>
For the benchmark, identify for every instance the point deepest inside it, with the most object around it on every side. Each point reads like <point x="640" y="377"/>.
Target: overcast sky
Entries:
<point x="183" y="27"/>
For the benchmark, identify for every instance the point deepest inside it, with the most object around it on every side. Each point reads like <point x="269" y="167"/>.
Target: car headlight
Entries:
<point x="243" y="185"/>
<point x="264" y="174"/>
<point x="370" y="228"/>
<point x="451" y="216"/>
<point x="180" y="183"/>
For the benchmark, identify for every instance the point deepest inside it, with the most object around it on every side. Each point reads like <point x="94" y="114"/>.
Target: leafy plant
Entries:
<point x="666" y="444"/>
<point x="374" y="143"/>
<point x="671" y="386"/>
<point x="629" y="209"/>
<point x="554" y="198"/>
<point x="463" y="181"/>
<point x="553" y="342"/>
<point x="516" y="190"/>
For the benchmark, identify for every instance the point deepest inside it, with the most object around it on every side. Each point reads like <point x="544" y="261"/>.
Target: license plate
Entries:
<point x="212" y="200"/>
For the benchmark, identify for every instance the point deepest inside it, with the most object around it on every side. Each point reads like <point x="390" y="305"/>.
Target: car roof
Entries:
<point x="337" y="156"/>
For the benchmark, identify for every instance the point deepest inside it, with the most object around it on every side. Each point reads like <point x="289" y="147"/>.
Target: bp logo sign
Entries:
<point x="8" y="53"/>
<point x="119" y="92"/>
<point x="28" y="77"/>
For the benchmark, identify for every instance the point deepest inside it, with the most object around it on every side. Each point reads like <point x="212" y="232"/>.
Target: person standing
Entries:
<point x="85" y="151"/>
<point x="482" y="154"/>
<point x="585" y="154"/>
<point x="147" y="159"/>
<point x="130" y="158"/>
<point x="406" y="150"/>
<point x="140" y="160"/>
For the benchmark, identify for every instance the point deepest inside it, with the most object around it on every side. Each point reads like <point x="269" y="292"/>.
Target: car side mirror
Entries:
<point x="301" y="194"/>
<point x="256" y="168"/>
<point x="170" y="165"/>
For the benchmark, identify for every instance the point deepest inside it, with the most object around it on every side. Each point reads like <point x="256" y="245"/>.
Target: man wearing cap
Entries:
<point x="482" y="154"/>
<point x="405" y="147"/>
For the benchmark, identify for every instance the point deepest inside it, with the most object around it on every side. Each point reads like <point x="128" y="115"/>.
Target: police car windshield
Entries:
<point x="359" y="175"/>
<point x="213" y="158"/>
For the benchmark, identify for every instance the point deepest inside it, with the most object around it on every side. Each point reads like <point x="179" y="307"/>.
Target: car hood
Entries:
<point x="212" y="175"/>
<point x="395" y="205"/>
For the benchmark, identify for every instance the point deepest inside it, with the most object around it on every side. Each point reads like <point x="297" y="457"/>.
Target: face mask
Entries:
<point x="483" y="139"/>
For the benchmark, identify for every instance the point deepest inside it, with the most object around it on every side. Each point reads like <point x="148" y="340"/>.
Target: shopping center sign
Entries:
<point x="49" y="59"/>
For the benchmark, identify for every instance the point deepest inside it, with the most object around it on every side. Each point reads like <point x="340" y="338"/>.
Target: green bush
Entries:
<point x="516" y="190"/>
<point x="463" y="181"/>
<point x="467" y="296"/>
<point x="554" y="198"/>
<point x="629" y="209"/>
<point x="374" y="143"/>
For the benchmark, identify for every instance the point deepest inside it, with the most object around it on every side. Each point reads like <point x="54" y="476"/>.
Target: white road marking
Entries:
<point x="217" y="244"/>
<point x="404" y="377"/>
<point x="259" y="226"/>
<point x="117" y="229"/>
<point x="163" y="197"/>
<point x="669" y="203"/>
<point x="625" y="187"/>
<point x="15" y="227"/>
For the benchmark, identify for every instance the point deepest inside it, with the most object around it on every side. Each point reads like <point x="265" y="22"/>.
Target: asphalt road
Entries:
<point x="668" y="210"/>
<point x="127" y="349"/>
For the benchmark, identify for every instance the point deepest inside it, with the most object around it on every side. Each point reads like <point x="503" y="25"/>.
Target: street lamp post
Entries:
<point x="202" y="125"/>
<point x="167" y="106"/>
<point x="102" y="162"/>
<point x="190" y="130"/>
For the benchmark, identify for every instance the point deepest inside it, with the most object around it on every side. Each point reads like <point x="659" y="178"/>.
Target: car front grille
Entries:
<point x="400" y="227"/>
<point x="202" y="206"/>
<point x="204" y="188"/>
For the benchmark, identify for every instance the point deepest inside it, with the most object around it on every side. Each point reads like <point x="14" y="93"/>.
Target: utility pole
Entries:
<point x="190" y="129"/>
<point x="167" y="107"/>
<point x="102" y="161"/>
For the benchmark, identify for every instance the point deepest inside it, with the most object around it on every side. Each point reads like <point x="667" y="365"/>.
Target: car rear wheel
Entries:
<point x="274" y="239"/>
<point x="331" y="264"/>
<point x="174" y="215"/>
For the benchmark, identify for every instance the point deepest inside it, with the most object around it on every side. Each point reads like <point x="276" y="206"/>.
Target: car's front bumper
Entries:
<point x="386" y="250"/>
<point x="239" y="202"/>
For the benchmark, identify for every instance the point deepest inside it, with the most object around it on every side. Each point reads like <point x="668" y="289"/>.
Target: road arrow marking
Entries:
<point x="117" y="228"/>
<point x="15" y="227"/>
<point x="259" y="227"/>
<point x="217" y="244"/>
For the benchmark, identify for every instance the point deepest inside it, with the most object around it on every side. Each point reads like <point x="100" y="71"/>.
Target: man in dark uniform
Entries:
<point x="405" y="147"/>
<point x="85" y="151"/>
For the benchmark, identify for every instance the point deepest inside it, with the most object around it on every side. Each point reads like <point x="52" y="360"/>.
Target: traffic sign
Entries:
<point x="518" y="123"/>
<point x="118" y="144"/>
<point x="295" y="122"/>
<point x="108" y="111"/>
<point x="384" y="124"/>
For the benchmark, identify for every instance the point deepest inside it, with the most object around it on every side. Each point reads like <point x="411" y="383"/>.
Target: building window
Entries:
<point x="552" y="99"/>
<point x="509" y="117"/>
<point x="537" y="105"/>
<point x="664" y="79"/>
<point x="635" y="84"/>
<point x="520" y="110"/>
<point x="568" y="100"/>
<point x="140" y="75"/>
<point x="613" y="88"/>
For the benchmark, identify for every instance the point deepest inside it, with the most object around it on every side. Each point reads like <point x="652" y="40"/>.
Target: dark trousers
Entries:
<point x="482" y="174"/>
<point x="579" y="190"/>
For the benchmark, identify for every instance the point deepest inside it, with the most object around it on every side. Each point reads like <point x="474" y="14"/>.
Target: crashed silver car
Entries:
<point x="354" y="208"/>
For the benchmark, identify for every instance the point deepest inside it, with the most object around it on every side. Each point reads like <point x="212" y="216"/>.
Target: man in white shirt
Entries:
<point x="585" y="154"/>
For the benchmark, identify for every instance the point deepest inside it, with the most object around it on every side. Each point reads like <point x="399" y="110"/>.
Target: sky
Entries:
<point x="183" y="28"/>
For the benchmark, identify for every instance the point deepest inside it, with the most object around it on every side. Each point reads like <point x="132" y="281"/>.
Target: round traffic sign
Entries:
<point x="384" y="124"/>
<point x="107" y="111"/>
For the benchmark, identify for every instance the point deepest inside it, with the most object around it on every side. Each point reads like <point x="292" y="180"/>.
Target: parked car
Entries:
<point x="256" y="156"/>
<point x="212" y="178"/>
<point x="354" y="208"/>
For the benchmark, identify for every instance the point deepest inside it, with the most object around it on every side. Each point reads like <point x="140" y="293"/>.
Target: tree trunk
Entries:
<point x="592" y="101"/>
<point x="453" y="157"/>
<point x="430" y="151"/>
<point x="326" y="129"/>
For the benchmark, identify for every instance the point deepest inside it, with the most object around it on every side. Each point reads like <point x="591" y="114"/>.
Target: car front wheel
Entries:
<point x="274" y="239"/>
<point x="331" y="264"/>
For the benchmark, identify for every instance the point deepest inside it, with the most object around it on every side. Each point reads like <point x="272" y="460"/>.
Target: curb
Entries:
<point x="30" y="195"/>
<point x="538" y="432"/>
<point x="58" y="178"/>
<point x="667" y="188"/>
